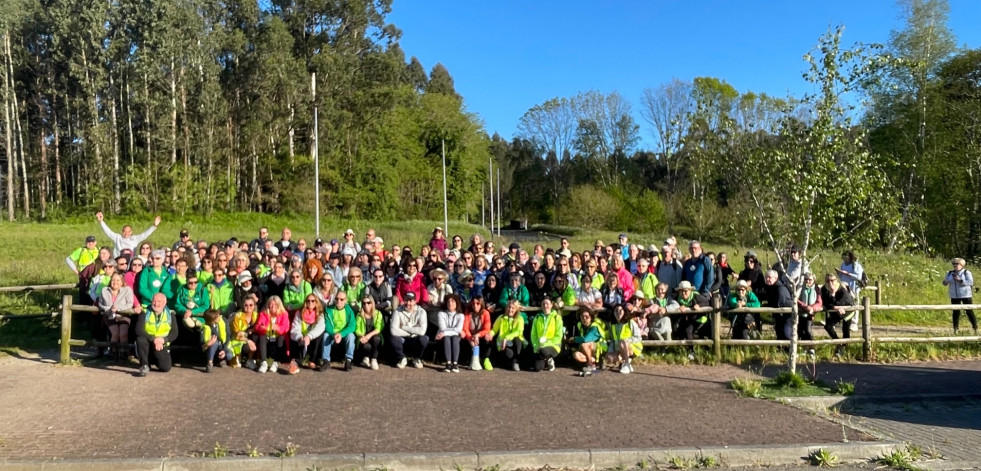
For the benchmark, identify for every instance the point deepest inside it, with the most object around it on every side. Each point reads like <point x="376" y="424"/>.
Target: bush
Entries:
<point x="589" y="206"/>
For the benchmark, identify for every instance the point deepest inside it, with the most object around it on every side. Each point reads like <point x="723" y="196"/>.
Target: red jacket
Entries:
<point x="417" y="285"/>
<point x="485" y="325"/>
<point x="263" y="325"/>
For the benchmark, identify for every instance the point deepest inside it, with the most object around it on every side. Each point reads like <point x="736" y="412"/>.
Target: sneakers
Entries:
<point x="448" y="368"/>
<point x="417" y="362"/>
<point x="691" y="357"/>
<point x="250" y="364"/>
<point x="143" y="371"/>
<point x="374" y="364"/>
<point x="514" y="366"/>
<point x="263" y="367"/>
<point x="550" y="364"/>
<point x="456" y="368"/>
<point x="347" y="364"/>
<point x="487" y="365"/>
<point x="189" y="322"/>
<point x="586" y="371"/>
<point x="293" y="368"/>
<point x="401" y="364"/>
<point x="474" y="364"/>
<point x="366" y="362"/>
<point x="235" y="363"/>
<point x="222" y="364"/>
<point x="274" y="367"/>
<point x="311" y="365"/>
<point x="209" y="368"/>
<point x="626" y="369"/>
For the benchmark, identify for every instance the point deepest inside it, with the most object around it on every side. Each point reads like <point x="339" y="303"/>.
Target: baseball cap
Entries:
<point x="185" y="233"/>
<point x="318" y="242"/>
<point x="89" y="239"/>
<point x="231" y="243"/>
<point x="623" y="235"/>
<point x="410" y="296"/>
<point x="244" y="276"/>
<point x="273" y="251"/>
<point x="514" y="246"/>
<point x="333" y="242"/>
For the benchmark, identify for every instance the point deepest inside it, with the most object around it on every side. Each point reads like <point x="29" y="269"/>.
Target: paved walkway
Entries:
<point x="87" y="412"/>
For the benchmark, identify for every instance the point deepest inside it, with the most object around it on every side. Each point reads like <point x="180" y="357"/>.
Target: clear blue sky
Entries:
<point x="507" y="56"/>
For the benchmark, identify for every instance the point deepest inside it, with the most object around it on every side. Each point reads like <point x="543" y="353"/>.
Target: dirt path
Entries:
<point x="89" y="412"/>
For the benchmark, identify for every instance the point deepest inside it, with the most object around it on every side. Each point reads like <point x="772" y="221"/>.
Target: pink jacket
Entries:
<point x="626" y="282"/>
<point x="417" y="285"/>
<point x="264" y="324"/>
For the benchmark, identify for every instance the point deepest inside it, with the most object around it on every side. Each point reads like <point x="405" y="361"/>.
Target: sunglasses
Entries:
<point x="311" y="301"/>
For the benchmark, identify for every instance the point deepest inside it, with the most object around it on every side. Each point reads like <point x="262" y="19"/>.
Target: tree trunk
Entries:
<point x="8" y="132"/>
<point x="44" y="172"/>
<point x="129" y="119"/>
<point x="292" y="113"/>
<point x="117" y="200"/>
<point x="57" y="148"/>
<point x="173" y="114"/>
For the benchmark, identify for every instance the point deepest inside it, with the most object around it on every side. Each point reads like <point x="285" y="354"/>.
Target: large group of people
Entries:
<point x="267" y="305"/>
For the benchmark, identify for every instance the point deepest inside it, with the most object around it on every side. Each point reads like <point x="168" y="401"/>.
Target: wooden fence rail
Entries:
<point x="716" y="342"/>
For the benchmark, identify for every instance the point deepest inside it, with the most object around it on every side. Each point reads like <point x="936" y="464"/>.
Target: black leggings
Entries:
<point x="510" y="352"/>
<point x="804" y="327"/>
<point x="314" y="353"/>
<point x="271" y="348"/>
<point x="543" y="354"/>
<point x="970" y="313"/>
<point x="846" y="324"/>
<point x="370" y="349"/>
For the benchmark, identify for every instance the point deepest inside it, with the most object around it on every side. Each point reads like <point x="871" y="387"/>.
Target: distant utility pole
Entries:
<point x="446" y="219"/>
<point x="316" y="158"/>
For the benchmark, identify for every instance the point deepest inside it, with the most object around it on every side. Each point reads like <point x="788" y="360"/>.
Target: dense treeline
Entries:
<point x="203" y="105"/>
<point x="905" y="176"/>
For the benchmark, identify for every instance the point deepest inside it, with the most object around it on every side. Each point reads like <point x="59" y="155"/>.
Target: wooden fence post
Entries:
<point x="878" y="292"/>
<point x="866" y="330"/>
<point x="66" y="328"/>
<point x="717" y="327"/>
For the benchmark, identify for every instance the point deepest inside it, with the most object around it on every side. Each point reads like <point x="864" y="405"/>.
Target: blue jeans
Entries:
<point x="347" y="341"/>
<point x="211" y="354"/>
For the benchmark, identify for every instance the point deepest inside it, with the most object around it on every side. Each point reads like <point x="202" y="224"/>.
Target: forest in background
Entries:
<point x="204" y="105"/>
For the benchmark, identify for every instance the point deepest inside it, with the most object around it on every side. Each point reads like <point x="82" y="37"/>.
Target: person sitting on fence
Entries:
<point x="354" y="287"/>
<point x="514" y="291"/>
<point x="777" y="295"/>
<point x="368" y="329"/>
<point x="155" y="331"/>
<point x="192" y="301"/>
<point x="742" y="296"/>
<point x="221" y="292"/>
<point x="692" y="323"/>
<point x="597" y="278"/>
<point x="586" y="342"/>
<point x="381" y="292"/>
<point x="115" y="298"/>
<point x="588" y="296"/>
<point x="296" y="290"/>
<point x="100" y="281"/>
<point x="411" y="281"/>
<point x="307" y="335"/>
<point x="132" y="276"/>
<point x="960" y="282"/>
<point x="272" y="327"/>
<point x="624" y="342"/>
<point x="215" y="340"/>
<point x="539" y="289"/>
<point x="507" y="334"/>
<point x="408" y="331"/>
<point x="243" y="341"/>
<point x="624" y="277"/>
<point x="126" y="240"/>
<point x="808" y="304"/>
<point x="612" y="293"/>
<point x="645" y="280"/>
<point x="546" y="336"/>
<point x="450" y="322"/>
<point x="835" y="297"/>
<point x="659" y="322"/>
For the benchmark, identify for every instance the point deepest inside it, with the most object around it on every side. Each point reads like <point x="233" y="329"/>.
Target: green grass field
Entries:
<point x="34" y="253"/>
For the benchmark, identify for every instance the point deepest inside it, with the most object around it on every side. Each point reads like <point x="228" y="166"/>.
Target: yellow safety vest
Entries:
<point x="158" y="326"/>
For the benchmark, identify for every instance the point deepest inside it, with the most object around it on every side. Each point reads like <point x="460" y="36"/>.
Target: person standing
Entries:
<point x="960" y="282"/>
<point x="83" y="256"/>
<point x="126" y="240"/>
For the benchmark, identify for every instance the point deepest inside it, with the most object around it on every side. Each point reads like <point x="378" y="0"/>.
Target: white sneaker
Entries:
<point x="374" y="364"/>
<point x="274" y="367"/>
<point x="550" y="364"/>
<point x="416" y="362"/>
<point x="401" y="364"/>
<point x="264" y="367"/>
<point x="366" y="362"/>
<point x="189" y="322"/>
<point x="626" y="369"/>
<point x="475" y="364"/>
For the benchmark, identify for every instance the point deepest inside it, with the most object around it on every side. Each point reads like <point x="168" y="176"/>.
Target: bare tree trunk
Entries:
<point x="44" y="172"/>
<point x="117" y="200"/>
<point x="93" y="134"/>
<point x="292" y="113"/>
<point x="129" y="119"/>
<point x="8" y="132"/>
<point x="146" y="121"/>
<point x="173" y="114"/>
<point x="23" y="158"/>
<point x="57" y="148"/>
